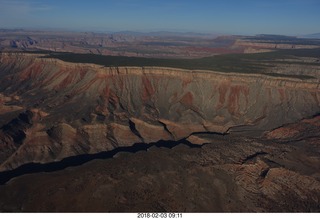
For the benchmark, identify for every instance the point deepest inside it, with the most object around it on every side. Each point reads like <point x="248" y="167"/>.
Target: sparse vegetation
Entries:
<point x="280" y="39"/>
<point x="241" y="63"/>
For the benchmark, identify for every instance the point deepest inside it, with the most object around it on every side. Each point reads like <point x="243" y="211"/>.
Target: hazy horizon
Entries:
<point x="248" y="17"/>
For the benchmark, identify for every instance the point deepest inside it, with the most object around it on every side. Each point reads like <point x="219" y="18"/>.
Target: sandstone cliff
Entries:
<point x="77" y="109"/>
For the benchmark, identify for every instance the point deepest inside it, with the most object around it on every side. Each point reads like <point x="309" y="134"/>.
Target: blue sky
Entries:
<point x="290" y="17"/>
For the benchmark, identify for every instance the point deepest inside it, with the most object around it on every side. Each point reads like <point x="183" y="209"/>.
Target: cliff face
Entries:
<point x="77" y="109"/>
<point x="272" y="45"/>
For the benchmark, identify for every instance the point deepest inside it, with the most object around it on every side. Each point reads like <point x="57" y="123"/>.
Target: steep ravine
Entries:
<point x="84" y="158"/>
<point x="230" y="174"/>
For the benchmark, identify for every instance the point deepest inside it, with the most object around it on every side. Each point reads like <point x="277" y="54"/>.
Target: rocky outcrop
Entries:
<point x="87" y="108"/>
<point x="305" y="129"/>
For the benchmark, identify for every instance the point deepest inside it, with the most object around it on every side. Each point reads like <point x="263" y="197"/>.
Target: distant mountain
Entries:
<point x="166" y="34"/>
<point x="314" y="36"/>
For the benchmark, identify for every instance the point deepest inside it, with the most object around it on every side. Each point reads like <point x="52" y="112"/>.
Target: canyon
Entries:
<point x="241" y="141"/>
<point x="153" y="44"/>
<point x="63" y="109"/>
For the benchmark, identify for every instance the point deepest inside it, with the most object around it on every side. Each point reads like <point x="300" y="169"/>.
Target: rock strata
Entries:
<point x="78" y="109"/>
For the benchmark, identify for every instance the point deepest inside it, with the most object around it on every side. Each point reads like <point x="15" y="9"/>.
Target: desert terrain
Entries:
<point x="129" y="122"/>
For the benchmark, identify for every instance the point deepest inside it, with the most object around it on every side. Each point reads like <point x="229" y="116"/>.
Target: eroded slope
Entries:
<point x="60" y="109"/>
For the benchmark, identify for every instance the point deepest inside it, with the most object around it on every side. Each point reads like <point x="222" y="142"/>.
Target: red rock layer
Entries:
<point x="88" y="108"/>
